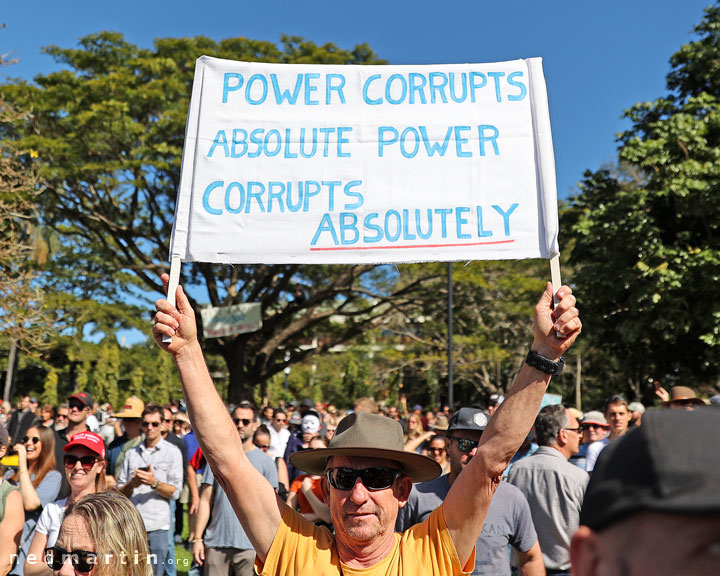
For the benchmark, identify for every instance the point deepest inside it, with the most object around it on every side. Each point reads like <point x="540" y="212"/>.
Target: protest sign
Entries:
<point x="366" y="164"/>
<point x="230" y="320"/>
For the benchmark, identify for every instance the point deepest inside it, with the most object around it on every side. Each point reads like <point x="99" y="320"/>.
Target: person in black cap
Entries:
<point x="653" y="503"/>
<point x="508" y="520"/>
<point x="367" y="476"/>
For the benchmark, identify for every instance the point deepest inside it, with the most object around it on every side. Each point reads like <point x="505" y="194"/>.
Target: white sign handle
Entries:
<point x="172" y="288"/>
<point x="556" y="281"/>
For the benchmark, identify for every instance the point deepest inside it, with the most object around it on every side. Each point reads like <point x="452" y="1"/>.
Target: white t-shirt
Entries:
<point x="50" y="520"/>
<point x="278" y="441"/>
<point x="593" y="452"/>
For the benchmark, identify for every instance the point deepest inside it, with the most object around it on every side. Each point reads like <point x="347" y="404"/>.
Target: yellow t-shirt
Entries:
<point x="301" y="548"/>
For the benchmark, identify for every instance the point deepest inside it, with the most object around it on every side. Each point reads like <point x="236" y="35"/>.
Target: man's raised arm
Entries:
<point x="469" y="498"/>
<point x="251" y="495"/>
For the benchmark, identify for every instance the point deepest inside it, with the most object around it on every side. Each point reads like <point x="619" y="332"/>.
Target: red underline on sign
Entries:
<point x="409" y="247"/>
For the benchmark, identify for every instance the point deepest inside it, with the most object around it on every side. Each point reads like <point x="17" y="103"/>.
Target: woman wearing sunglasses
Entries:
<point x="38" y="480"/>
<point x="84" y="462"/>
<point x="102" y="535"/>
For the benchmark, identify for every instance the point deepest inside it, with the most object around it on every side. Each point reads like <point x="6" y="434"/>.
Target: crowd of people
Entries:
<point x="308" y="487"/>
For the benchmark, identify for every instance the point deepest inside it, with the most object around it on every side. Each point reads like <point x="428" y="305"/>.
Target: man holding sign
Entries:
<point x="367" y="476"/>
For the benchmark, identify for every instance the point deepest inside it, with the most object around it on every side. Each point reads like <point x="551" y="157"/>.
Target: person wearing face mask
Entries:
<point x="309" y="427"/>
<point x="84" y="462"/>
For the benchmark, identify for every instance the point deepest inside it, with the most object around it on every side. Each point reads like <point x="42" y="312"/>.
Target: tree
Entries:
<point x="25" y="322"/>
<point x="109" y="133"/>
<point x="647" y="234"/>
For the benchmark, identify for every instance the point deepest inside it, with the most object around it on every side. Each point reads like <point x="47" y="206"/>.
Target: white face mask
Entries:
<point x="310" y="424"/>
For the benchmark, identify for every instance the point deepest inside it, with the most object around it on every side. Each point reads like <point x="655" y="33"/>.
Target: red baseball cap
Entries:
<point x="89" y="440"/>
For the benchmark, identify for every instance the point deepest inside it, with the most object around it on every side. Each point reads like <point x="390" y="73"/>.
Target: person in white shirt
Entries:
<point x="279" y="434"/>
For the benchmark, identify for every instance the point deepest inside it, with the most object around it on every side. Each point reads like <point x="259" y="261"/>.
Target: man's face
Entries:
<point x="132" y="425"/>
<point x="152" y="426"/>
<point x="618" y="417"/>
<point x="654" y="544"/>
<point x="78" y="412"/>
<point x="268" y="412"/>
<point x="393" y="412"/>
<point x="461" y="447"/>
<point x="244" y="422"/>
<point x="572" y="434"/>
<point x="594" y="432"/>
<point x="279" y="421"/>
<point x="166" y="421"/>
<point x="24" y="402"/>
<point x="62" y="416"/>
<point x="360" y="515"/>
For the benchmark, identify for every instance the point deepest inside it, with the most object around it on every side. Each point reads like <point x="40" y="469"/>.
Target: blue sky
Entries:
<point x="599" y="58"/>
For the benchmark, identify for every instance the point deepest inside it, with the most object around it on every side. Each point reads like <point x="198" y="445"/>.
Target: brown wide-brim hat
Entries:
<point x="370" y="436"/>
<point x="683" y="394"/>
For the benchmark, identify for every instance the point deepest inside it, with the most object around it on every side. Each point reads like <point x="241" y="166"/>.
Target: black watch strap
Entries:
<point x="537" y="360"/>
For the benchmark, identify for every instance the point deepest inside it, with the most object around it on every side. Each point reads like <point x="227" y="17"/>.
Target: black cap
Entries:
<point x="670" y="464"/>
<point x="307" y="403"/>
<point x="83" y="397"/>
<point x="468" y="419"/>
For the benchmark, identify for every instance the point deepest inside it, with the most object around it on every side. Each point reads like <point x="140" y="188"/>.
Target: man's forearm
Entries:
<point x="210" y="419"/>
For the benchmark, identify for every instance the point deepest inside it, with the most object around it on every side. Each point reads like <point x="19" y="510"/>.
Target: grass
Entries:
<point x="183" y="557"/>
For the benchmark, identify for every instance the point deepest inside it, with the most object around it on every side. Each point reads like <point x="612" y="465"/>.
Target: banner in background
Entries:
<point x="230" y="320"/>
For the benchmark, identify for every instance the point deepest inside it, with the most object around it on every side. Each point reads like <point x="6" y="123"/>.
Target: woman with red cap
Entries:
<point x="84" y="461"/>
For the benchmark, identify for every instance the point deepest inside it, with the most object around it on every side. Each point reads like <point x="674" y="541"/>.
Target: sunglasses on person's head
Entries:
<point x="465" y="445"/>
<point x="150" y="424"/>
<point x="26" y="439"/>
<point x="375" y="478"/>
<point x="86" y="462"/>
<point x="245" y="421"/>
<point x="82" y="560"/>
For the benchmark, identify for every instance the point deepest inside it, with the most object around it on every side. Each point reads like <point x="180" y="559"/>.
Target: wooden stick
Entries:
<point x="175" y="265"/>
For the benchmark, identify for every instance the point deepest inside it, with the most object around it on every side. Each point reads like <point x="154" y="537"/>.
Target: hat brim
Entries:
<point x="127" y="415"/>
<point x="418" y="467"/>
<point x="691" y="401"/>
<point x="603" y="424"/>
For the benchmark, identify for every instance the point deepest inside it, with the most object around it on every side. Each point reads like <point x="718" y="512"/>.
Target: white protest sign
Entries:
<point x="230" y="320"/>
<point x="348" y="164"/>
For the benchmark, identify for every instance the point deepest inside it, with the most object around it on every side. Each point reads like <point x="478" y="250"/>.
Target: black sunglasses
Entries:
<point x="76" y="405"/>
<point x="33" y="439"/>
<point x="86" y="462"/>
<point x="82" y="560"/>
<point x="245" y="421"/>
<point x="376" y="478"/>
<point x="465" y="445"/>
<point x="150" y="424"/>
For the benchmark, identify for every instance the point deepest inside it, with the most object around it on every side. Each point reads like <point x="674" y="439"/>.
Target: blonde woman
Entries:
<point x="102" y="535"/>
<point x="84" y="461"/>
<point x="415" y="431"/>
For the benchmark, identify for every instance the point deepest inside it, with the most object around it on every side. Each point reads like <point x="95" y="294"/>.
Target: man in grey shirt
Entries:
<point x="553" y="487"/>
<point x="152" y="475"/>
<point x="508" y="520"/>
<point x="222" y="545"/>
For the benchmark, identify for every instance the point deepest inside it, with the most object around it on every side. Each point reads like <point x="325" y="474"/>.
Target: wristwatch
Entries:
<point x="537" y="360"/>
<point x="154" y="486"/>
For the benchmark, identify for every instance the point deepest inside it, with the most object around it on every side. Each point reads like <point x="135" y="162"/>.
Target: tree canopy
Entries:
<point x="647" y="243"/>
